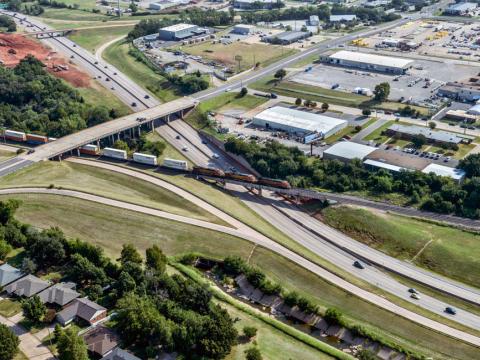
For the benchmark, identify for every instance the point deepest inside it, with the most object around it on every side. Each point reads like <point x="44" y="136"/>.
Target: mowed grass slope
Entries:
<point x="446" y="250"/>
<point x="110" y="228"/>
<point x="92" y="39"/>
<point x="105" y="183"/>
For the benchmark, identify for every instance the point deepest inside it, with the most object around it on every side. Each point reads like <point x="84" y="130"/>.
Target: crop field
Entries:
<point x="250" y="53"/>
<point x="105" y="183"/>
<point x="442" y="249"/>
<point x="110" y="228"/>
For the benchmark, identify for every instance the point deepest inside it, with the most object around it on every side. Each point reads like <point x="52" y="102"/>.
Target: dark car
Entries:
<point x="147" y="96"/>
<point x="450" y="310"/>
<point x="177" y="137"/>
<point x="413" y="291"/>
<point x="358" y="264"/>
<point x="31" y="151"/>
<point x="134" y="104"/>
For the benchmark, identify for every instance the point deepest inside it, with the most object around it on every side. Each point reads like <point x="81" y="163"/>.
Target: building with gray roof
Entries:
<point x="60" y="294"/>
<point x="343" y="18"/>
<point x="119" y="354"/>
<point x="9" y="274"/>
<point x="287" y="37"/>
<point x="27" y="286"/>
<point x="83" y="309"/>
<point x="346" y="151"/>
<point x="446" y="137"/>
<point x="456" y="174"/>
<point x="461" y="8"/>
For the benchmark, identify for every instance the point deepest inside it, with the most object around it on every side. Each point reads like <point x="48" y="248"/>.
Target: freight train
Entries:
<point x="283" y="184"/>
<point x="19" y="136"/>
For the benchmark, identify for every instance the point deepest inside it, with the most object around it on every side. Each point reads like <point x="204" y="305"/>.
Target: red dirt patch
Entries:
<point x="14" y="47"/>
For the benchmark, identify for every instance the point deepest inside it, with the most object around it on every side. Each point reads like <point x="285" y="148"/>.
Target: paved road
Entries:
<point x="271" y="245"/>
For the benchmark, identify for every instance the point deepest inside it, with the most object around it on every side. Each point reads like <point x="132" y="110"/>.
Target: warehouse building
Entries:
<point x="342" y="18"/>
<point x="460" y="9"/>
<point x="407" y="132"/>
<point x="287" y="37"/>
<point x="346" y="151"/>
<point x="308" y="126"/>
<point x="180" y="32"/>
<point x="456" y="174"/>
<point x="256" y="4"/>
<point x="372" y="62"/>
<point x="243" y="29"/>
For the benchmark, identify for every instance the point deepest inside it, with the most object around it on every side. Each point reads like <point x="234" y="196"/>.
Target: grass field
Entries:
<point x="5" y="154"/>
<point x="110" y="228"/>
<point x="250" y="53"/>
<point x="318" y="94"/>
<point x="117" y="55"/>
<point x="73" y="15"/>
<point x="445" y="250"/>
<point x="105" y="183"/>
<point x="20" y="356"/>
<point x="349" y="130"/>
<point x="8" y="308"/>
<point x="92" y="39"/>
<point x="377" y="134"/>
<point x="97" y="95"/>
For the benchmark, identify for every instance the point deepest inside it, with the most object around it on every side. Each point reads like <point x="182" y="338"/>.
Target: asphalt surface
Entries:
<point x="255" y="237"/>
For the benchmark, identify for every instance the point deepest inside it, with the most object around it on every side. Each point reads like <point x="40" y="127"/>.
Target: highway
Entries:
<point x="255" y="237"/>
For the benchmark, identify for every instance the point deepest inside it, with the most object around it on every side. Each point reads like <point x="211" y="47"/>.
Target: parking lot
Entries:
<point x="419" y="85"/>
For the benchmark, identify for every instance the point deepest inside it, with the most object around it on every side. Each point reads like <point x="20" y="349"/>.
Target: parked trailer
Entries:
<point x="115" y="153"/>
<point x="175" y="164"/>
<point x="36" y="139"/>
<point x="145" y="159"/>
<point x="90" y="149"/>
<point x="15" y="135"/>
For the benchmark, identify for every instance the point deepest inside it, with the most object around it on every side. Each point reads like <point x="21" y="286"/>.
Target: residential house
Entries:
<point x="60" y="294"/>
<point x="27" y="286"/>
<point x="119" y="354"/>
<point x="82" y="309"/>
<point x="101" y="341"/>
<point x="9" y="274"/>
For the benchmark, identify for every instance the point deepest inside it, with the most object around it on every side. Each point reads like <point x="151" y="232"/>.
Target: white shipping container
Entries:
<point x="13" y="133"/>
<point x="175" y="164"/>
<point x="115" y="153"/>
<point x="145" y="159"/>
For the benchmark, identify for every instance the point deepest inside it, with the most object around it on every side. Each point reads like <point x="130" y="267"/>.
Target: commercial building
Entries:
<point x="160" y="5"/>
<point x="460" y="9"/>
<point x="441" y="170"/>
<point x="462" y="115"/>
<point x="256" y="4"/>
<point x="243" y="29"/>
<point x="287" y="37"/>
<point x="342" y="18"/>
<point x="372" y="62"/>
<point x="462" y="91"/>
<point x="309" y="126"/>
<point x="375" y="164"/>
<point x="407" y="132"/>
<point x="313" y="20"/>
<point x="180" y="32"/>
<point x="346" y="151"/>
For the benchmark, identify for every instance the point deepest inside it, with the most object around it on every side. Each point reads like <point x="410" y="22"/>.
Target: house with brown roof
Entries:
<point x="101" y="341"/>
<point x="82" y="309"/>
<point x="27" y="286"/>
<point x="59" y="294"/>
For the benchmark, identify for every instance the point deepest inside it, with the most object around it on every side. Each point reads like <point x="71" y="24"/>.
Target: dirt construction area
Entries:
<point x="14" y="48"/>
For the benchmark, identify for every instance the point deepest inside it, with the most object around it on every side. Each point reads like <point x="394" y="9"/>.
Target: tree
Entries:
<point x="471" y="165"/>
<point x="366" y="112"/>
<point x="70" y="346"/>
<point x="133" y="7"/>
<point x="325" y="106"/>
<point x="243" y="92"/>
<point x="358" y="128"/>
<point x="34" y="309"/>
<point x="47" y="247"/>
<point x="419" y="140"/>
<point x="7" y="210"/>
<point x="333" y="316"/>
<point x="28" y="266"/>
<point x="382" y="91"/>
<point x="130" y="254"/>
<point x="253" y="354"/>
<point x="280" y="74"/>
<point x="366" y="354"/>
<point x="8" y="343"/>
<point x="298" y="101"/>
<point x="121" y="145"/>
<point x="249" y="331"/>
<point x="432" y="125"/>
<point x="83" y="271"/>
<point x="156" y="259"/>
<point x="5" y="248"/>
<point x="125" y="283"/>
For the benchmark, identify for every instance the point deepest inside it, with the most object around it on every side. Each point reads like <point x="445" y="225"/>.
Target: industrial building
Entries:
<point x="407" y="132"/>
<point x="309" y="126"/>
<point x="287" y="37"/>
<point x="372" y="62"/>
<point x="375" y="165"/>
<point x="243" y="29"/>
<point x="441" y="170"/>
<point x="313" y="20"/>
<point x="342" y="18"/>
<point x="180" y="32"/>
<point x="460" y="9"/>
<point x="465" y="90"/>
<point x="346" y="151"/>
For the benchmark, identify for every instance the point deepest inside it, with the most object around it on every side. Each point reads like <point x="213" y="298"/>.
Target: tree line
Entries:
<point x="427" y="191"/>
<point x="32" y="100"/>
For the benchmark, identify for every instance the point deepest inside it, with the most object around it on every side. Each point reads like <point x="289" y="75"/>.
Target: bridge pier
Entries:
<point x="152" y="126"/>
<point x="78" y="152"/>
<point x="139" y="131"/>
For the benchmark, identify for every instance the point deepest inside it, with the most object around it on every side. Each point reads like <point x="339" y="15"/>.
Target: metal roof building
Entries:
<point x="366" y="61"/>
<point x="180" y="31"/>
<point x="346" y="151"/>
<point x="287" y="37"/>
<point x="461" y="8"/>
<point x="441" y="170"/>
<point x="340" y="18"/>
<point x="383" y="165"/>
<point x="439" y="136"/>
<point x="301" y="123"/>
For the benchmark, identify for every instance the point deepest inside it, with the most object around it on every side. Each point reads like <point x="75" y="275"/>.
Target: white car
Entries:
<point x="185" y="148"/>
<point x="215" y="156"/>
<point x="415" y="296"/>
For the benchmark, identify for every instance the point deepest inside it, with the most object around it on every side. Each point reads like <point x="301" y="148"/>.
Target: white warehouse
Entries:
<point x="372" y="62"/>
<point x="310" y="126"/>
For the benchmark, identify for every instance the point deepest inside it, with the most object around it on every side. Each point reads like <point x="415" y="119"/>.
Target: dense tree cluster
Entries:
<point x="7" y="22"/>
<point x="189" y="84"/>
<point x="142" y="144"/>
<point x="33" y="100"/>
<point x="430" y="192"/>
<point x="8" y="343"/>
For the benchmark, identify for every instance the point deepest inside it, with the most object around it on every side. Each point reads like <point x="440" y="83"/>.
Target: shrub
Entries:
<point x="250" y="331"/>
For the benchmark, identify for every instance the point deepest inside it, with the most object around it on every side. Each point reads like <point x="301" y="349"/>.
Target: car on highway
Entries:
<point x="185" y="148"/>
<point x="71" y="56"/>
<point x="204" y="142"/>
<point x="413" y="291"/>
<point x="74" y="45"/>
<point x="415" y="296"/>
<point x="178" y="137"/>
<point x="114" y="73"/>
<point x="358" y="264"/>
<point x="96" y="62"/>
<point x="215" y="156"/>
<point x="134" y="104"/>
<point x="450" y="310"/>
<point x="31" y="151"/>
<point x="147" y="96"/>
